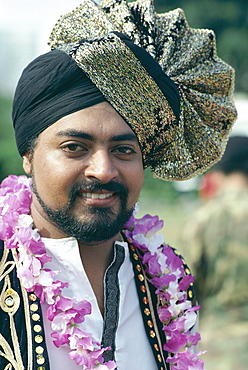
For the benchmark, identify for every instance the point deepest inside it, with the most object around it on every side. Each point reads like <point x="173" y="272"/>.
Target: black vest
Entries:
<point x="22" y="337"/>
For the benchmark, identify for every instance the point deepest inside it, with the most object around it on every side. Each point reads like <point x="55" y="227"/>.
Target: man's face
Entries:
<point x="87" y="175"/>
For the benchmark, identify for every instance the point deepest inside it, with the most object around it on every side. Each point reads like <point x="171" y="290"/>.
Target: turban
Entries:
<point x="53" y="86"/>
<point x="161" y="76"/>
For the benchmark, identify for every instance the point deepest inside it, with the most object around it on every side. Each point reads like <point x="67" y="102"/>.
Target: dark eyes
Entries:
<point x="73" y="148"/>
<point x="123" y="152"/>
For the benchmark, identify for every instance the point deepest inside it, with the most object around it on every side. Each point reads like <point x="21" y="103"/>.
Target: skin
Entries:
<point x="93" y="144"/>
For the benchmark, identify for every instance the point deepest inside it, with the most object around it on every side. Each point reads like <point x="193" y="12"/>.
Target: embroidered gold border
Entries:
<point x="10" y="303"/>
<point x="27" y="320"/>
<point x="155" y="327"/>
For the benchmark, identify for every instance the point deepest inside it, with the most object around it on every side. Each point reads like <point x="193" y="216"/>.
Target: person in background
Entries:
<point x="218" y="231"/>
<point x="84" y="284"/>
<point x="217" y="234"/>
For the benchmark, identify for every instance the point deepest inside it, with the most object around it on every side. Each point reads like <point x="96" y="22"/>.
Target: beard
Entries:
<point x="98" y="223"/>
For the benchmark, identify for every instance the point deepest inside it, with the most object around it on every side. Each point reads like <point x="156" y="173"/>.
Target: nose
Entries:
<point x="100" y="167"/>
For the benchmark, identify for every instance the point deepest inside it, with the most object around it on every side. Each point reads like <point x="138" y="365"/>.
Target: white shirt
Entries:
<point x="133" y="350"/>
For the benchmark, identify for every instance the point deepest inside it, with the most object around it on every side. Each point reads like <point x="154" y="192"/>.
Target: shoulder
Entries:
<point x="163" y="264"/>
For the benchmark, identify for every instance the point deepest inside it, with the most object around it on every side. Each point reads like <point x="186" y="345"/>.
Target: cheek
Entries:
<point x="52" y="183"/>
<point x="135" y="184"/>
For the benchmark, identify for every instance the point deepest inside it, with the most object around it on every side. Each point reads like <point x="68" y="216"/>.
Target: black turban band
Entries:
<point x="53" y="86"/>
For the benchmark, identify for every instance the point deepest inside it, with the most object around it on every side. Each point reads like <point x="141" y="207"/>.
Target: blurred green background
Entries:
<point x="224" y="335"/>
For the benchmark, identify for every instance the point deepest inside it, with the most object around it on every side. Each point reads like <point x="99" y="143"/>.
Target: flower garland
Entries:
<point x="163" y="266"/>
<point x="167" y="274"/>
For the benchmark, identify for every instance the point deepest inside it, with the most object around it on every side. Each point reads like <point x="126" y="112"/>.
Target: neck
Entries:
<point x="96" y="258"/>
<point x="100" y="253"/>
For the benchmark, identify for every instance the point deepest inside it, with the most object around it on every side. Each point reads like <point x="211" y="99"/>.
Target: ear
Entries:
<point x="27" y="163"/>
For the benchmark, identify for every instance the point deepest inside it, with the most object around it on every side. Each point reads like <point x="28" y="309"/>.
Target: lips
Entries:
<point x="96" y="195"/>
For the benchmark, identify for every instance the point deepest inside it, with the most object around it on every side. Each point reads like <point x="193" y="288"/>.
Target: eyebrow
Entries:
<point x="83" y="135"/>
<point x="124" y="137"/>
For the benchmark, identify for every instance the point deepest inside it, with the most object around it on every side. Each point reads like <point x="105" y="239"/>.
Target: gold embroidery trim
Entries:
<point x="27" y="320"/>
<point x="10" y="303"/>
<point x="152" y="313"/>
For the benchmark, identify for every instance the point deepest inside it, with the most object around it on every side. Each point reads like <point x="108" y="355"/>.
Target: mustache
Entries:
<point x="94" y="186"/>
<point x="111" y="186"/>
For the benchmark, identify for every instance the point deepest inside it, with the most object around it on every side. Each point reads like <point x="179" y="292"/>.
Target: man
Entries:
<point x="89" y="116"/>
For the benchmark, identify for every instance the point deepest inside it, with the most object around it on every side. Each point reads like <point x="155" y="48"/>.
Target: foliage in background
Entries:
<point x="155" y="188"/>
<point x="10" y="161"/>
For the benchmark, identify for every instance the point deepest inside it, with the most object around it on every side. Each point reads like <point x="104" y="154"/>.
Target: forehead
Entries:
<point x="100" y="120"/>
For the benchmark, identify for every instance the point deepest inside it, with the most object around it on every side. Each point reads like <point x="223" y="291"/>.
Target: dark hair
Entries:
<point x="31" y="145"/>
<point x="235" y="158"/>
